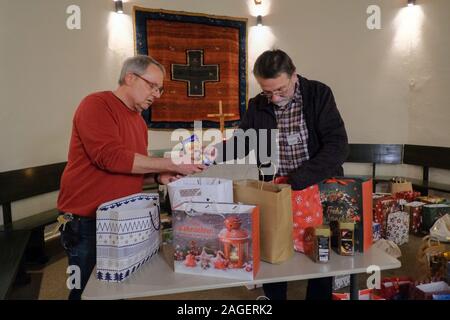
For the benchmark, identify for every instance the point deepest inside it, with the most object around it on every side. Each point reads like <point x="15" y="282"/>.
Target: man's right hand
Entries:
<point x="184" y="166"/>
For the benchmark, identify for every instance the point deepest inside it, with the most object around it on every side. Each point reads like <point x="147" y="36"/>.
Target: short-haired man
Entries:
<point x="312" y="140"/>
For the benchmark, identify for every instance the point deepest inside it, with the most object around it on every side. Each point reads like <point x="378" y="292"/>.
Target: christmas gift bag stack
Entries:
<point x="349" y="199"/>
<point x="216" y="239"/>
<point x="127" y="235"/>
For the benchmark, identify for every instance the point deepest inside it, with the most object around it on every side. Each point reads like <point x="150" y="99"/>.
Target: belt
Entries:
<point x="72" y="216"/>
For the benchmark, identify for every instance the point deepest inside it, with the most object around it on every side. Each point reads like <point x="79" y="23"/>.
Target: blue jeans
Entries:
<point x="79" y="241"/>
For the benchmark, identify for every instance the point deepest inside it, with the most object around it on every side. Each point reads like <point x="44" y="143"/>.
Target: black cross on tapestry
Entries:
<point x="195" y="73"/>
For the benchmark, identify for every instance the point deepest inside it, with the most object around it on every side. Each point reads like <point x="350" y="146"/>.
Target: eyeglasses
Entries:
<point x="282" y="92"/>
<point x="152" y="86"/>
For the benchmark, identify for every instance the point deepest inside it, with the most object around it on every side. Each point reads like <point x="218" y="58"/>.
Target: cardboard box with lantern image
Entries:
<point x="216" y="239"/>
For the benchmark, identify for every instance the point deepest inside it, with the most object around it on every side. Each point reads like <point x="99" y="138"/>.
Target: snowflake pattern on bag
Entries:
<point x="382" y="208"/>
<point x="415" y="216"/>
<point x="398" y="227"/>
<point x="308" y="213"/>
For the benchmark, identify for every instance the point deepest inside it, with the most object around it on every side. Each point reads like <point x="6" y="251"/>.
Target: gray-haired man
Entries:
<point x="108" y="157"/>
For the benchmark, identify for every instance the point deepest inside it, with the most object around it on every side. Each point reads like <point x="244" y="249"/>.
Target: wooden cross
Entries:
<point x="221" y="117"/>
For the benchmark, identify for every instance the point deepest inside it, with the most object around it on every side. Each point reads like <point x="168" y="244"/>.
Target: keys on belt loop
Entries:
<point x="62" y="220"/>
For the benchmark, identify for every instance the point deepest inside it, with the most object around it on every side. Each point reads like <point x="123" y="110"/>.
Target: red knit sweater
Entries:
<point x="105" y="137"/>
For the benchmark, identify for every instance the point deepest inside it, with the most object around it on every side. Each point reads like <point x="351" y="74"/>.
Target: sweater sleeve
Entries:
<point x="99" y="134"/>
<point x="333" y="141"/>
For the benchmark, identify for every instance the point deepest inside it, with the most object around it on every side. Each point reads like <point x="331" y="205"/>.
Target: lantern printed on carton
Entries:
<point x="349" y="199"/>
<point x="218" y="240"/>
<point x="127" y="235"/>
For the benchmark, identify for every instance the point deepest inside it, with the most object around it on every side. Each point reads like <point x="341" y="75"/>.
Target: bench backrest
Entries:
<point x="25" y="183"/>
<point x="376" y="153"/>
<point x="427" y="156"/>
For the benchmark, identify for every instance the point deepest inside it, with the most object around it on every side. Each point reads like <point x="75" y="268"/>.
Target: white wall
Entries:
<point x="391" y="85"/>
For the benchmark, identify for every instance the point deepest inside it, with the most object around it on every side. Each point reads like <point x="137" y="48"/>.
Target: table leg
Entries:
<point x="354" y="292"/>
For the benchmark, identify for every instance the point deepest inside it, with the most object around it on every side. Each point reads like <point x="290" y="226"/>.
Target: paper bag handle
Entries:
<point x="190" y="211"/>
<point x="429" y="239"/>
<point x="159" y="218"/>
<point x="399" y="180"/>
<point x="262" y="173"/>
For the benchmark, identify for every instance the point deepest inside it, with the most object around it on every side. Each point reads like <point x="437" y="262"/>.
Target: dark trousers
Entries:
<point x="79" y="241"/>
<point x="35" y="250"/>
<point x="318" y="289"/>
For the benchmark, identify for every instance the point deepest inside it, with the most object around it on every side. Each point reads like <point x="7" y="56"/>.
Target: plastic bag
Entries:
<point x="441" y="229"/>
<point x="389" y="247"/>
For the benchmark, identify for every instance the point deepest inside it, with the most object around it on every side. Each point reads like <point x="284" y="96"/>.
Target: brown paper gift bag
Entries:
<point x="274" y="201"/>
<point x="400" y="185"/>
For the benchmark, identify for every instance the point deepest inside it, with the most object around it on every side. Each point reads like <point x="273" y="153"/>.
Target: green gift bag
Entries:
<point x="432" y="212"/>
<point x="349" y="199"/>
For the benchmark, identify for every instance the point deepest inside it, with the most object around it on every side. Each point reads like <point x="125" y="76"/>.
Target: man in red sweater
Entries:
<point x="108" y="158"/>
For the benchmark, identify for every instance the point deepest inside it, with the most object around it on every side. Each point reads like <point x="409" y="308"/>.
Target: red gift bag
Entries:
<point x="409" y="196"/>
<point x="382" y="207"/>
<point x="397" y="288"/>
<point x="307" y="213"/>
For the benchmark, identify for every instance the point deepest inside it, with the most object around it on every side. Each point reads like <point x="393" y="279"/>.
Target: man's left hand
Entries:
<point x="167" y="177"/>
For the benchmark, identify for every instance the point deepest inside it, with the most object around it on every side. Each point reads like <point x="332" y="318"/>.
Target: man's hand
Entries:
<point x="168" y="177"/>
<point x="209" y="154"/>
<point x="184" y="166"/>
<point x="186" y="169"/>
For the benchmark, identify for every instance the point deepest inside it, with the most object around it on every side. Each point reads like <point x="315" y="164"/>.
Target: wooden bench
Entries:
<point x="427" y="157"/>
<point x="14" y="236"/>
<point x="424" y="156"/>
<point x="12" y="247"/>
<point x="376" y="154"/>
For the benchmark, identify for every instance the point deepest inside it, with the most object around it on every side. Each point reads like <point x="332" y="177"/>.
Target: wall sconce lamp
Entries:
<point x="119" y="6"/>
<point x="258" y="2"/>
<point x="259" y="21"/>
<point x="411" y="3"/>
